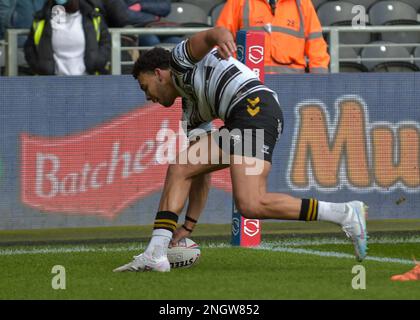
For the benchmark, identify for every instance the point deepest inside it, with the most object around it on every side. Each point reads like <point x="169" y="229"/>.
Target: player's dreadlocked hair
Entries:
<point x="150" y="60"/>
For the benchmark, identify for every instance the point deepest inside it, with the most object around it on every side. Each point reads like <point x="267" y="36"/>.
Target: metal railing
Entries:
<point x="116" y="48"/>
<point x="334" y="43"/>
<point x="2" y="54"/>
<point x="116" y="40"/>
<point x="11" y="59"/>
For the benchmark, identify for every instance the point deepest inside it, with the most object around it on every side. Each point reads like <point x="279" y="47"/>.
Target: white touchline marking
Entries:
<point x="319" y="242"/>
<point x="289" y="246"/>
<point x="76" y="249"/>
<point x="334" y="254"/>
<point x="87" y="248"/>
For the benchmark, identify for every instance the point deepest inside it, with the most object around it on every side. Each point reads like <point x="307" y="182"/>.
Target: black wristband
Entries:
<point x="187" y="218"/>
<point x="189" y="230"/>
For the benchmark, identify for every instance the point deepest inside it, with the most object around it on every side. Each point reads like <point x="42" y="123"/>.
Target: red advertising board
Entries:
<point x="107" y="168"/>
<point x="250" y="44"/>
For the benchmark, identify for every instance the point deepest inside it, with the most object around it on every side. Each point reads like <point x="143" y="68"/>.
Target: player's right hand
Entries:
<point x="179" y="234"/>
<point x="225" y="42"/>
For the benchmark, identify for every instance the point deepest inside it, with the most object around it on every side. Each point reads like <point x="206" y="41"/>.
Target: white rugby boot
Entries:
<point x="354" y="227"/>
<point x="142" y="262"/>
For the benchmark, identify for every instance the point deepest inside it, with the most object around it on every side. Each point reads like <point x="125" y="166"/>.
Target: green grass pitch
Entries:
<point x="297" y="264"/>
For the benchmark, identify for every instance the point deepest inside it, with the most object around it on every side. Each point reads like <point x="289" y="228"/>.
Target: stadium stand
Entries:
<point x="395" y="13"/>
<point x="215" y="12"/>
<point x="414" y="3"/>
<point x="206" y="5"/>
<point x="318" y="3"/>
<point x="417" y="55"/>
<point x="393" y="56"/>
<point x="203" y="13"/>
<point x="2" y="53"/>
<point x="366" y="3"/>
<point x="392" y="12"/>
<point x="351" y="66"/>
<point x="339" y="13"/>
<point x="187" y="14"/>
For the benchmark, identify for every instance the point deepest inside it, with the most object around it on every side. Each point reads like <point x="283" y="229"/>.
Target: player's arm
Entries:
<point x="197" y="200"/>
<point x="200" y="185"/>
<point x="202" y="42"/>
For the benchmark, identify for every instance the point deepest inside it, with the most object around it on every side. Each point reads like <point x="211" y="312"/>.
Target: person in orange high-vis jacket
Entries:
<point x="293" y="33"/>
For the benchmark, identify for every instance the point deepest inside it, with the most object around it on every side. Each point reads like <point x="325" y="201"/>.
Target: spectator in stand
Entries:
<point x="68" y="37"/>
<point x="135" y="13"/>
<point x="18" y="15"/>
<point x="138" y="13"/>
<point x="156" y="9"/>
<point x="289" y="40"/>
<point x="119" y="14"/>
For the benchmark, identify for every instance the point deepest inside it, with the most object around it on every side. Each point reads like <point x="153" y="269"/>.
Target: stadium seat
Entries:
<point x="390" y="11"/>
<point x="351" y="66"/>
<point x="317" y="3"/>
<point x="414" y="3"/>
<point x="383" y="50"/>
<point x="339" y="13"/>
<point x="215" y="13"/>
<point x="186" y="13"/>
<point x="395" y="13"/>
<point x="365" y="3"/>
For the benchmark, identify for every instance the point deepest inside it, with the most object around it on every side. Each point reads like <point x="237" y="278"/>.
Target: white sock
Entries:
<point x="158" y="245"/>
<point x="332" y="212"/>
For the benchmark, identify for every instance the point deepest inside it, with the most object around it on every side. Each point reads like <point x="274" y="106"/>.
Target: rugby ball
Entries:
<point x="184" y="254"/>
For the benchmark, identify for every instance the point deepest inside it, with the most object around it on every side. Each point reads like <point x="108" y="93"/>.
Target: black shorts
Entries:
<point x="253" y="125"/>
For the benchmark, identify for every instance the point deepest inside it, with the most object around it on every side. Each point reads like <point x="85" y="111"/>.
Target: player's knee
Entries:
<point x="264" y="202"/>
<point x="176" y="171"/>
<point x="249" y="208"/>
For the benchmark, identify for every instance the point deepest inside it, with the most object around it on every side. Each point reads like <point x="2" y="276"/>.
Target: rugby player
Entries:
<point x="213" y="85"/>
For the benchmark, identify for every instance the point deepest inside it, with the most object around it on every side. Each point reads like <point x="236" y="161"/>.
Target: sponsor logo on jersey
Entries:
<point x="252" y="108"/>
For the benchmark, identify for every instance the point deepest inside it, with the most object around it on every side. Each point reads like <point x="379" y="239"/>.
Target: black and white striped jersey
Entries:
<point x="211" y="87"/>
